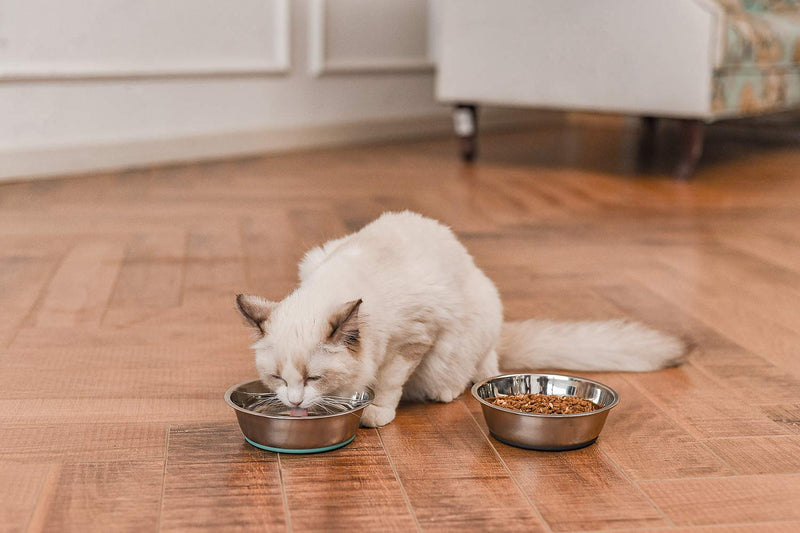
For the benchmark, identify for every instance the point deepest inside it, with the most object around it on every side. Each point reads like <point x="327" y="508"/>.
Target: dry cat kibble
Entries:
<point x="544" y="404"/>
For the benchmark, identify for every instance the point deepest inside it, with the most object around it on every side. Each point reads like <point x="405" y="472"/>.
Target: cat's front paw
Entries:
<point x="376" y="416"/>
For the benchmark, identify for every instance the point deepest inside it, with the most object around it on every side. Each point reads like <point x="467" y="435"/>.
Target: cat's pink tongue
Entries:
<point x="298" y="411"/>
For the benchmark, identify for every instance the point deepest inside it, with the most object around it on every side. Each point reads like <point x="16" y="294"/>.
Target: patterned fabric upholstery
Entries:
<point x="754" y="92"/>
<point x="758" y="35"/>
<point x="760" y="68"/>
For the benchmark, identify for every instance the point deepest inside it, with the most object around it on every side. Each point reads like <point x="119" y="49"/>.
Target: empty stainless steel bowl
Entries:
<point x="270" y="430"/>
<point x="545" y="432"/>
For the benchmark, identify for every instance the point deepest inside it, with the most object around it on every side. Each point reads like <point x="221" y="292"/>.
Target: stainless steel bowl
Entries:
<point x="288" y="434"/>
<point x="545" y="432"/>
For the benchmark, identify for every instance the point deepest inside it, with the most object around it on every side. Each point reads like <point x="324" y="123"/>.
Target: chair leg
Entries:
<point x="649" y="125"/>
<point x="692" y="136"/>
<point x="465" y="123"/>
<point x="647" y="139"/>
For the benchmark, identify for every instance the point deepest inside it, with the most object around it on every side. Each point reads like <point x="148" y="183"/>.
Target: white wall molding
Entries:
<point x="49" y="162"/>
<point x="320" y="62"/>
<point x="276" y="63"/>
<point x="84" y="115"/>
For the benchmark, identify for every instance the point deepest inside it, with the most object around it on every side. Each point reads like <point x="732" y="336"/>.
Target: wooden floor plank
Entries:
<point x="772" y="527"/>
<point x="56" y="411"/>
<point x="151" y="277"/>
<point x="315" y="226"/>
<point x="140" y="441"/>
<point x="647" y="444"/>
<point x="727" y="500"/>
<point x="786" y="415"/>
<point x="749" y="326"/>
<point x="774" y="246"/>
<point x="346" y="489"/>
<point x="104" y="496"/>
<point x="79" y="291"/>
<point x="215" y="481"/>
<point x="759" y="455"/>
<point x="556" y="299"/>
<point x="702" y="406"/>
<point x="446" y="465"/>
<point x="762" y="283"/>
<point x="20" y="487"/>
<point x="600" y="496"/>
<point x="22" y="278"/>
<point x="121" y="372"/>
<point x="172" y="330"/>
<point x="270" y="256"/>
<point x="214" y="265"/>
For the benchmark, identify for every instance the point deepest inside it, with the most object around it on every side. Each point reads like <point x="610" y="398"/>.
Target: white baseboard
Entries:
<point x="57" y="161"/>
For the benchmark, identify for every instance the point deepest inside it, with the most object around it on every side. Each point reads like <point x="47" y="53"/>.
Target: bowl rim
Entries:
<point x="236" y="407"/>
<point x="614" y="394"/>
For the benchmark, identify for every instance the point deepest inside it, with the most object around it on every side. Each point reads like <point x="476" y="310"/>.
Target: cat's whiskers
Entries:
<point x="321" y="404"/>
<point x="263" y="402"/>
<point x="335" y="403"/>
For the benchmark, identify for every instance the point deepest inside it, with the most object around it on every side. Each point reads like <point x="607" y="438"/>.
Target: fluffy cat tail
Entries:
<point x="605" y="345"/>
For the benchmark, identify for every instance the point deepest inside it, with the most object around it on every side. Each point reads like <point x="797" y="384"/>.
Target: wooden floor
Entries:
<point x="118" y="337"/>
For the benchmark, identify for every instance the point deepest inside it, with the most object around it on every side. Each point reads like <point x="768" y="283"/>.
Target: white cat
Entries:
<point x="401" y="307"/>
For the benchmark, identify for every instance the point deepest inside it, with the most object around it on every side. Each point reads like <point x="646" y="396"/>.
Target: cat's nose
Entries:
<point x="294" y="395"/>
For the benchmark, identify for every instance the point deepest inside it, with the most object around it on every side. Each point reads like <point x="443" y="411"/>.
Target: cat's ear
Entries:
<point x="254" y="309"/>
<point x="345" y="325"/>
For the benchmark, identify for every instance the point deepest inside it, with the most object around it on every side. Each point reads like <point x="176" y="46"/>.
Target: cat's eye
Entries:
<point x="312" y="378"/>
<point x="275" y="376"/>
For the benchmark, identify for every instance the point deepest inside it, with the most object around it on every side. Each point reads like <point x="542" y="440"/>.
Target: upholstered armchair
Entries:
<point x="697" y="61"/>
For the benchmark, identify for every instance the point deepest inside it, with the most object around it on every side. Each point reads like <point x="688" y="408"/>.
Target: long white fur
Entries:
<point x="431" y="323"/>
<point x="598" y="345"/>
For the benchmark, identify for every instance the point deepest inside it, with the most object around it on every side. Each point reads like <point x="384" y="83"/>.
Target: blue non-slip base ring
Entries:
<point x="309" y="450"/>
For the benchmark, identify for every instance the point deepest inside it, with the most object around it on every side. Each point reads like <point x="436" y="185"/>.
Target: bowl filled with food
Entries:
<point x="549" y="412"/>
<point x="268" y="424"/>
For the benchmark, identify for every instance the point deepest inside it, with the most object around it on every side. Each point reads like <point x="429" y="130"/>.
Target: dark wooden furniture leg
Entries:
<point x="647" y="139"/>
<point x="465" y="123"/>
<point x="649" y="125"/>
<point x="692" y="134"/>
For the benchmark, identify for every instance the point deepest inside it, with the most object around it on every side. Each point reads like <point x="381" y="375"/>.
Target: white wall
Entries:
<point x="94" y="84"/>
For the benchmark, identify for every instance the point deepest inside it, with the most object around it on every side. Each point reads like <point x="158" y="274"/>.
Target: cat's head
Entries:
<point x="302" y="355"/>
